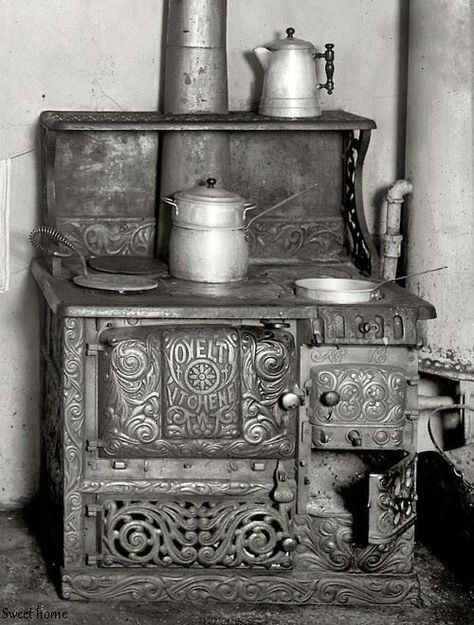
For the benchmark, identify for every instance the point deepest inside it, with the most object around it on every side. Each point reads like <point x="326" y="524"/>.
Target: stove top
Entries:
<point x="267" y="292"/>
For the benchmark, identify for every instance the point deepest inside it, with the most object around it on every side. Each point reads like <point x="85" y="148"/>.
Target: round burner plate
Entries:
<point x="115" y="282"/>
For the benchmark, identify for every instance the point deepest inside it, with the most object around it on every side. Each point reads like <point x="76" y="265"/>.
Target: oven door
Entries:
<point x="197" y="391"/>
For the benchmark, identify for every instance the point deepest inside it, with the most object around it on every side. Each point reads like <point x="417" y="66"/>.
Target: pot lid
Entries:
<point x="208" y="192"/>
<point x="290" y="42"/>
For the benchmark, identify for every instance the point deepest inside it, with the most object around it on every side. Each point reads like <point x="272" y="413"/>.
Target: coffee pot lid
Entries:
<point x="289" y="42"/>
<point x="209" y="193"/>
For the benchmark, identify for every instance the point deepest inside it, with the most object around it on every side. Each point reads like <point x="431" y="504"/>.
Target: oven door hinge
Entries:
<point x="93" y="445"/>
<point x="284" y="491"/>
<point x="303" y="465"/>
<point x="317" y="329"/>
<point x="94" y="560"/>
<point x="92" y="349"/>
<point x="92" y="509"/>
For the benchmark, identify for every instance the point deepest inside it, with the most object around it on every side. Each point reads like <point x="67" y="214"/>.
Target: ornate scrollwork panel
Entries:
<point x="363" y="250"/>
<point x="281" y="589"/>
<point x="392" y="501"/>
<point x="124" y="236"/>
<point x="196" y="391"/>
<point x="196" y="533"/>
<point x="367" y="394"/>
<point x="266" y="369"/>
<point x="317" y="239"/>
<point x="132" y="391"/>
<point x="175" y="487"/>
<point x="73" y="409"/>
<point x="326" y="544"/>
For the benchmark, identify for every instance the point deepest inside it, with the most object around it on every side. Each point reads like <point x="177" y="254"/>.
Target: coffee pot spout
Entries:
<point x="263" y="55"/>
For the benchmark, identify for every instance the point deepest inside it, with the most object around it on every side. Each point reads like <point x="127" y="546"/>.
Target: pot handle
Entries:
<point x="169" y="200"/>
<point x="249" y="206"/>
<point x="328" y="56"/>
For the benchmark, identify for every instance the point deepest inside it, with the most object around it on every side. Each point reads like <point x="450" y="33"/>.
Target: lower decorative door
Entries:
<point x="196" y="532"/>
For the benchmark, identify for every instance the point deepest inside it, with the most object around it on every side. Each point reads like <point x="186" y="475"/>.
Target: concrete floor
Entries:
<point x="24" y="584"/>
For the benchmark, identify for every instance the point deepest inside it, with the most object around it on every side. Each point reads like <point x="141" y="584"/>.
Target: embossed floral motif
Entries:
<point x="112" y="236"/>
<point x="131" y="399"/>
<point x="284" y="588"/>
<point x="368" y="394"/>
<point x="73" y="407"/>
<point x="326" y="544"/>
<point x="190" y="397"/>
<point x="321" y="238"/>
<point x="392" y="501"/>
<point x="202" y="376"/>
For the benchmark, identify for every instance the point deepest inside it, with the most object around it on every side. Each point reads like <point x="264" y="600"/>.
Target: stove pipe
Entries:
<point x="195" y="83"/>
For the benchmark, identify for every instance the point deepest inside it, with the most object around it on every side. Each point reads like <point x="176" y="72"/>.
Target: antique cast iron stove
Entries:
<point x="231" y="442"/>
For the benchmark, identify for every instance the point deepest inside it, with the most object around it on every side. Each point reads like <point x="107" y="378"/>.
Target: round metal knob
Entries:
<point x="289" y="544"/>
<point x="290" y="32"/>
<point x="290" y="400"/>
<point x="364" y="327"/>
<point x="211" y="182"/>
<point x="355" y="438"/>
<point x="330" y="398"/>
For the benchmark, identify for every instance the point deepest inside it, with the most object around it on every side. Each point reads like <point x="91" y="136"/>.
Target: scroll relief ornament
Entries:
<point x="195" y="533"/>
<point x="370" y="395"/>
<point x="196" y="391"/>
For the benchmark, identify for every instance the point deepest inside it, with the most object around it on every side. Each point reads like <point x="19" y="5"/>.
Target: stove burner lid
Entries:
<point x="121" y="282"/>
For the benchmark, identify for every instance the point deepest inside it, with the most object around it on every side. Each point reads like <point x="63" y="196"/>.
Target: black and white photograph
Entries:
<point x="237" y="312"/>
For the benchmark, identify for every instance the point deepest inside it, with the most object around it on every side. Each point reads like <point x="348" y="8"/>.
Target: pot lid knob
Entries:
<point x="290" y="32"/>
<point x="211" y="183"/>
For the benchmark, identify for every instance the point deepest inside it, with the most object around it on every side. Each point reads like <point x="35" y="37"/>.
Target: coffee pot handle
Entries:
<point x="329" y="57"/>
<point x="170" y="201"/>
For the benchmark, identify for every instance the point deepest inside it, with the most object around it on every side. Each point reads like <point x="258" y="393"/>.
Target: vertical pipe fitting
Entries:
<point x="392" y="239"/>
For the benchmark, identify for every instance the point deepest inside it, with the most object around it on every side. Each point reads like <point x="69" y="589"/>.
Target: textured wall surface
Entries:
<point x="440" y="163"/>
<point x="106" y="55"/>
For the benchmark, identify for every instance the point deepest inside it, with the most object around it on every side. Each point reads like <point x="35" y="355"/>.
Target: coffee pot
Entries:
<point x="290" y="84"/>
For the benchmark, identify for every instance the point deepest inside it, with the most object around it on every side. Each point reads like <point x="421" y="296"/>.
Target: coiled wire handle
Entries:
<point x="45" y="238"/>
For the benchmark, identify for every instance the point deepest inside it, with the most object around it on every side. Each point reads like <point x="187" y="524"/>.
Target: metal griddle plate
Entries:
<point x="130" y="265"/>
<point x="116" y="282"/>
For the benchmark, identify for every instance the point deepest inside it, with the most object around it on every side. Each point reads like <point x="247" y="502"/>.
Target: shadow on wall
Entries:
<point x="257" y="80"/>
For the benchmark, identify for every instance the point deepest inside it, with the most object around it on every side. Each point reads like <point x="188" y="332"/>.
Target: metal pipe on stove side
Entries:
<point x="392" y="239"/>
<point x="195" y="83"/>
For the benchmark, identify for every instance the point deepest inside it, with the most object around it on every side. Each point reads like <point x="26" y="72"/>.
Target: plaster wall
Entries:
<point x="440" y="163"/>
<point x="89" y="55"/>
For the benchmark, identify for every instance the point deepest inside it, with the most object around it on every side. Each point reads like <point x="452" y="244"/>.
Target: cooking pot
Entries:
<point x="207" y="239"/>
<point x="290" y="84"/>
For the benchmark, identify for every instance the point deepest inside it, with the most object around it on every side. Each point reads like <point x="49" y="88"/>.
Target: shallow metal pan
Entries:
<point x="337" y="290"/>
